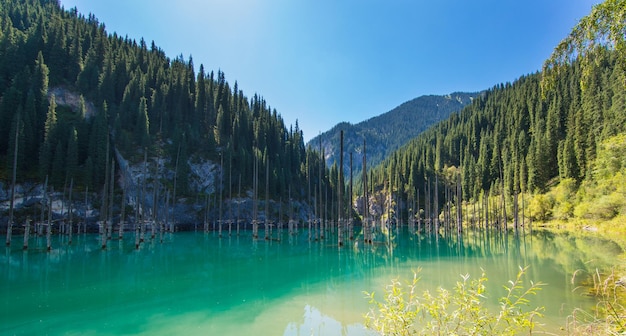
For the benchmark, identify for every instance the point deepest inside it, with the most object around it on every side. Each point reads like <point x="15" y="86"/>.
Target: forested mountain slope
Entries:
<point x="129" y="96"/>
<point x="387" y="132"/>
<point x="513" y="139"/>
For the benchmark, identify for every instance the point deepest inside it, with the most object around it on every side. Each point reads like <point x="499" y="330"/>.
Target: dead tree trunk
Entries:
<point x="122" y="215"/>
<point x="339" y="193"/>
<point x="26" y="234"/>
<point x="350" y="222"/>
<point x="104" y="208"/>
<point x="71" y="210"/>
<point x="267" y="197"/>
<point x="13" y="178"/>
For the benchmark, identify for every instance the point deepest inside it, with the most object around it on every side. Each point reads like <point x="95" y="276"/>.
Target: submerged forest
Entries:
<point x="564" y="152"/>
<point x="70" y="87"/>
<point x="103" y="133"/>
<point x="79" y="102"/>
<point x="83" y="105"/>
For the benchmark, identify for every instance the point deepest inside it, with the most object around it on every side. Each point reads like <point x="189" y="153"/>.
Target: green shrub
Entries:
<point x="602" y="207"/>
<point x="460" y="312"/>
<point x="564" y="197"/>
<point x="540" y="207"/>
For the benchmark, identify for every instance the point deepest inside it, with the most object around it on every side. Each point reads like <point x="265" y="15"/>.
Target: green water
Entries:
<point x="200" y="284"/>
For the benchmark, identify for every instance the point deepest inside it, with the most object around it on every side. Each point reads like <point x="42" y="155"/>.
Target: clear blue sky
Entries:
<point x="326" y="61"/>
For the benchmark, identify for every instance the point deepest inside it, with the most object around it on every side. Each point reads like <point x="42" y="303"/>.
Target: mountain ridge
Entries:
<point x="389" y="131"/>
<point x="72" y="94"/>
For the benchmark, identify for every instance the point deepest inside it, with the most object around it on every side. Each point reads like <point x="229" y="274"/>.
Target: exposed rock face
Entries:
<point x="146" y="187"/>
<point x="29" y="198"/>
<point x="65" y="97"/>
<point x="377" y="204"/>
<point x="204" y="177"/>
<point x="187" y="213"/>
<point x="25" y="195"/>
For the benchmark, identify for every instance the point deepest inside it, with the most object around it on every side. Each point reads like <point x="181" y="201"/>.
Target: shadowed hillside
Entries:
<point x="389" y="131"/>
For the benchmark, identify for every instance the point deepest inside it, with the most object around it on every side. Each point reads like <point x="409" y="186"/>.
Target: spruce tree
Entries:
<point x="71" y="162"/>
<point x="50" y="139"/>
<point x="143" y="124"/>
<point x="19" y="132"/>
<point x="57" y="172"/>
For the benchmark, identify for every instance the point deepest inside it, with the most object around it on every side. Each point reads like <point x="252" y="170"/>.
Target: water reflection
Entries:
<point x="316" y="323"/>
<point x="266" y="284"/>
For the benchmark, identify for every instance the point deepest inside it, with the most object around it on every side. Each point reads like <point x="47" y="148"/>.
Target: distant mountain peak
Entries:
<point x="389" y="131"/>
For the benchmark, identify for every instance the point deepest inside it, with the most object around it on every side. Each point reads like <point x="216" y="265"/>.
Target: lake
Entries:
<point x="197" y="283"/>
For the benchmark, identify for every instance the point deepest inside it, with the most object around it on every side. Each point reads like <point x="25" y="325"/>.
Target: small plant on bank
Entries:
<point x="462" y="311"/>
<point x="609" y="314"/>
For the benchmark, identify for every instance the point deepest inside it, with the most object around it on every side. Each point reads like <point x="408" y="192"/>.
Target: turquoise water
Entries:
<point x="195" y="283"/>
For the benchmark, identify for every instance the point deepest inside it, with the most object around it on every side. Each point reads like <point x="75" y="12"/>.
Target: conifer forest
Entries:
<point x="135" y="182"/>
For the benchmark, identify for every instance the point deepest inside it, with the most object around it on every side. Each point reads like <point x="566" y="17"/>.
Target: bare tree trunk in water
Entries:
<point x="339" y="193"/>
<point x="70" y="210"/>
<point x="13" y="178"/>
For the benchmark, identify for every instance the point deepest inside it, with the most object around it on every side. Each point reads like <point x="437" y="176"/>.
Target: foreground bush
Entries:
<point x="460" y="312"/>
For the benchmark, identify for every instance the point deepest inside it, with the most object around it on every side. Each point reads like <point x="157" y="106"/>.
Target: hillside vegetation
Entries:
<point x="389" y="131"/>
<point x="129" y="96"/>
<point x="515" y="140"/>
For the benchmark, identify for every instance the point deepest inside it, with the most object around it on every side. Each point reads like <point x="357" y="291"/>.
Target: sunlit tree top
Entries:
<point x="603" y="28"/>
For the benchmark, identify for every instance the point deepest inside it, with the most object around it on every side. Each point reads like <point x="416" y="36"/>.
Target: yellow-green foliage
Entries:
<point x="609" y="315"/>
<point x="540" y="207"/>
<point x="461" y="311"/>
<point x="600" y="197"/>
<point x="603" y="196"/>
<point x="564" y="194"/>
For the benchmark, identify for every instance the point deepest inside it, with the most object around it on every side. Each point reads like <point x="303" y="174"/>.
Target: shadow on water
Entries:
<point x="199" y="283"/>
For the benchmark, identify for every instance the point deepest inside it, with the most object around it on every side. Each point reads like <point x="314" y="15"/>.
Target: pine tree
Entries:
<point x="31" y="138"/>
<point x="98" y="146"/>
<point x="19" y="124"/>
<point x="71" y="162"/>
<point x="40" y="94"/>
<point x="11" y="100"/>
<point x="143" y="124"/>
<point x="57" y="173"/>
<point x="80" y="56"/>
<point x="50" y="139"/>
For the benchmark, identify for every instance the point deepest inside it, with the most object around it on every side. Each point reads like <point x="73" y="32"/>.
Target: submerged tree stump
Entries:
<point x="26" y="234"/>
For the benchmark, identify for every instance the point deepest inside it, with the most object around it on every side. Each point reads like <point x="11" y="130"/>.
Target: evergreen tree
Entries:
<point x="40" y="94"/>
<point x="44" y="47"/>
<point x="50" y="139"/>
<point x="31" y="131"/>
<point x="17" y="129"/>
<point x="57" y="171"/>
<point x="143" y="124"/>
<point x="71" y="162"/>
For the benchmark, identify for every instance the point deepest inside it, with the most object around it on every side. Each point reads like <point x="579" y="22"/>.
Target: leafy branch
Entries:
<point x="459" y="312"/>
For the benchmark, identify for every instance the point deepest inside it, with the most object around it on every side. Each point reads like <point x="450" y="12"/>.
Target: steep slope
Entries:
<point x="72" y="94"/>
<point x="515" y="140"/>
<point x="389" y="131"/>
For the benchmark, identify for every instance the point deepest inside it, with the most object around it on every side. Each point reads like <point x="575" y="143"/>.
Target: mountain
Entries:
<point x="389" y="131"/>
<point x="72" y="95"/>
<point x="516" y="139"/>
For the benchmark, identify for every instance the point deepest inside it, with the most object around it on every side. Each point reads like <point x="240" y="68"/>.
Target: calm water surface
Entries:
<point x="200" y="284"/>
